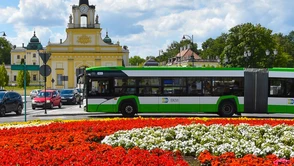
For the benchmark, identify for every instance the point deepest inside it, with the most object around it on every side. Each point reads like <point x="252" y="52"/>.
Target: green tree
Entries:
<point x="136" y="61"/>
<point x="285" y="49"/>
<point x="253" y="40"/>
<point x="213" y="48"/>
<point x="3" y="76"/>
<point x="20" y="77"/>
<point x="5" y="48"/>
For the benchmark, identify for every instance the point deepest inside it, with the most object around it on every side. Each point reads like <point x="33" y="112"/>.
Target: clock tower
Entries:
<point x="83" y="16"/>
<point x="83" y="47"/>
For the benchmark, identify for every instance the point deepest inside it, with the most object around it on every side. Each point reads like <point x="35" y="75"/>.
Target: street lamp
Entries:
<point x="179" y="60"/>
<point x="272" y="58"/>
<point x="3" y="33"/>
<point x="191" y="38"/>
<point x="192" y="58"/>
<point x="247" y="54"/>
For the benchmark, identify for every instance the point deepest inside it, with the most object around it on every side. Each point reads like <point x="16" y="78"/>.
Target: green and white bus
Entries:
<point x="223" y="91"/>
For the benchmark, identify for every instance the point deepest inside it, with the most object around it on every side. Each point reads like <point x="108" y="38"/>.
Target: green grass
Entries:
<point x="21" y="90"/>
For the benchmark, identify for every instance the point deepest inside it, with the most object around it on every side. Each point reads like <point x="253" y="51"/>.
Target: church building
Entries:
<point x="84" y="47"/>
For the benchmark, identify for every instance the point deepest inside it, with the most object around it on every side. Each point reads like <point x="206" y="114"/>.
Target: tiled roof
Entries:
<point x="187" y="54"/>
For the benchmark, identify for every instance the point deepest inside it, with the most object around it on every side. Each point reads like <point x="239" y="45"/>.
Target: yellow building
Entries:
<point x="83" y="47"/>
<point x="31" y="56"/>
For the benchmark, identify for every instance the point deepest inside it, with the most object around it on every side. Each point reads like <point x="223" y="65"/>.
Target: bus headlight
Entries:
<point x="33" y="102"/>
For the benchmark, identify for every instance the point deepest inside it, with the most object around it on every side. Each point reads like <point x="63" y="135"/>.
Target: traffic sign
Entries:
<point x="45" y="57"/>
<point x="45" y="70"/>
<point x="28" y="67"/>
<point x="52" y="80"/>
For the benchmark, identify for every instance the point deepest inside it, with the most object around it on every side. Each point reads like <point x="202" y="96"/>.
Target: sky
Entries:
<point x="145" y="26"/>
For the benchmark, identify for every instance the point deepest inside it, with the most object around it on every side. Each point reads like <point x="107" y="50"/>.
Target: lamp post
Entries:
<point x="3" y="33"/>
<point x="272" y="58"/>
<point x="247" y="54"/>
<point x="192" y="58"/>
<point x="179" y="60"/>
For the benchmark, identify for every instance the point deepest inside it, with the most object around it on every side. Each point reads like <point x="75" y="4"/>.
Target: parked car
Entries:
<point x="10" y="102"/>
<point x="34" y="93"/>
<point x="70" y="96"/>
<point x="52" y="99"/>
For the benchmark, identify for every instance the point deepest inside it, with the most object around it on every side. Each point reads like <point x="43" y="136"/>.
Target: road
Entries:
<point x="75" y="112"/>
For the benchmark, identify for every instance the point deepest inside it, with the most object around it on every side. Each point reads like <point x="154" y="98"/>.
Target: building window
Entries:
<point x="34" y="63"/>
<point x="25" y="57"/>
<point x="14" y="78"/>
<point x="18" y="57"/>
<point x="34" y="55"/>
<point x="34" y="77"/>
<point x="59" y="80"/>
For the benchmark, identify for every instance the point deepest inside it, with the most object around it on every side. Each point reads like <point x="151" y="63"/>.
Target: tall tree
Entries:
<point x="136" y="61"/>
<point x="252" y="41"/>
<point x="5" y="48"/>
<point x="213" y="48"/>
<point x="20" y="77"/>
<point x="3" y="76"/>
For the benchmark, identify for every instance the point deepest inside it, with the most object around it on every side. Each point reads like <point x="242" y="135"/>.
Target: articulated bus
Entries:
<point x="223" y="91"/>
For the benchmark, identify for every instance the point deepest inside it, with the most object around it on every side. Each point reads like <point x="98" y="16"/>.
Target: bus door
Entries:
<point x="169" y="101"/>
<point x="100" y="95"/>
<point x="190" y="102"/>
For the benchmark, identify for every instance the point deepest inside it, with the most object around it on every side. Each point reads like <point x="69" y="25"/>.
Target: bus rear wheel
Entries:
<point x="128" y="109"/>
<point x="227" y="109"/>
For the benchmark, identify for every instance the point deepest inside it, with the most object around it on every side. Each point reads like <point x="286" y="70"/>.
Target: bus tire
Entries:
<point x="227" y="109"/>
<point x="128" y="109"/>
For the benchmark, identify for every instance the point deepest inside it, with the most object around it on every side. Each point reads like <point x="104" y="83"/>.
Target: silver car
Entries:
<point x="34" y="93"/>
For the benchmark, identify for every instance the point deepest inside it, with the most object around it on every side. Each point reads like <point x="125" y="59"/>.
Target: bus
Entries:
<point x="223" y="91"/>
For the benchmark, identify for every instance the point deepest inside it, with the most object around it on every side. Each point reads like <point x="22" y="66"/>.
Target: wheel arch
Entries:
<point x="123" y="99"/>
<point x="231" y="98"/>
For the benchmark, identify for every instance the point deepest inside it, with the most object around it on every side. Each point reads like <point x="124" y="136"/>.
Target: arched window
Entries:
<point x="18" y="57"/>
<point x="84" y="21"/>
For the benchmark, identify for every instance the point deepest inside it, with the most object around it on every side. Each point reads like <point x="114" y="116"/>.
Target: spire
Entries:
<point x="34" y="33"/>
<point x="84" y="2"/>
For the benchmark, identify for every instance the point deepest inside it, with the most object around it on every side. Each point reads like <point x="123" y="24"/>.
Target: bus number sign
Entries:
<point x="99" y="73"/>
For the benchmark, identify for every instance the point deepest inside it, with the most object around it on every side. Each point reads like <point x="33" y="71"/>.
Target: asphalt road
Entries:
<point x="75" y="112"/>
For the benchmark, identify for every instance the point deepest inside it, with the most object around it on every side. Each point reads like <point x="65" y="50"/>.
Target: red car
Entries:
<point x="52" y="99"/>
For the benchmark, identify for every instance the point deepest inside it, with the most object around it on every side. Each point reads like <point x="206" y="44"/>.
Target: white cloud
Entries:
<point x="149" y="25"/>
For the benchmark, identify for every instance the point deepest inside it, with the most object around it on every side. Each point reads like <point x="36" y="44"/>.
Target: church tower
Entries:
<point x="83" y="47"/>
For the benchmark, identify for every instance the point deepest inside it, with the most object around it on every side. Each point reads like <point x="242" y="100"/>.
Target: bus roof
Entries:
<point x="104" y="68"/>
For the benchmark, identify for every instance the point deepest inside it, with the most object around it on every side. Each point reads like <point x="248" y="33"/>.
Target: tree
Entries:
<point x="3" y="76"/>
<point x="136" y="60"/>
<point x="252" y="39"/>
<point x="5" y="48"/>
<point x="20" y="77"/>
<point x="213" y="48"/>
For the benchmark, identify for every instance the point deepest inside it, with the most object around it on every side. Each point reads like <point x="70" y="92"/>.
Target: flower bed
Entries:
<point x="79" y="142"/>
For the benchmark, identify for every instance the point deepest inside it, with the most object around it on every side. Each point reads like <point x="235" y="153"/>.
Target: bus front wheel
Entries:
<point x="227" y="109"/>
<point x="128" y="109"/>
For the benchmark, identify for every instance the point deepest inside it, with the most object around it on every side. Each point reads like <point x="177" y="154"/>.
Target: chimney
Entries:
<point x="60" y="41"/>
<point x="22" y="45"/>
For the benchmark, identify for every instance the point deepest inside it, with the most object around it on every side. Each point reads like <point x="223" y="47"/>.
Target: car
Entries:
<point x="10" y="102"/>
<point x="34" y="93"/>
<point x="70" y="96"/>
<point x="52" y="99"/>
